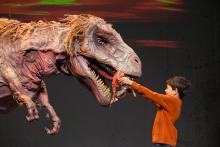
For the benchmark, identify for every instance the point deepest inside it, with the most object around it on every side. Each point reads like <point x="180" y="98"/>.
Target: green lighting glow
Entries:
<point x="55" y="2"/>
<point x="42" y="2"/>
<point x="166" y="1"/>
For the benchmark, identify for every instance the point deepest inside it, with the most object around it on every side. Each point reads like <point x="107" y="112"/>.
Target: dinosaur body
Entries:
<point x="83" y="46"/>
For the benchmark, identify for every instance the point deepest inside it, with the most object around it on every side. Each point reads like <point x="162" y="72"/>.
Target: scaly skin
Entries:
<point x="83" y="46"/>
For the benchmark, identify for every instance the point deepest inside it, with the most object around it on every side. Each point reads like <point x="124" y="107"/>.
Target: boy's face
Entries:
<point x="170" y="91"/>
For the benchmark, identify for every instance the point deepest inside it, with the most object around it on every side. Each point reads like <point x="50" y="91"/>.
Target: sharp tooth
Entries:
<point x="100" y="81"/>
<point x="105" y="88"/>
<point x="106" y="93"/>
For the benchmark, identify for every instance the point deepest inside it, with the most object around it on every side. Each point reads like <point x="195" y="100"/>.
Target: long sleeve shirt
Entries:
<point x="169" y="108"/>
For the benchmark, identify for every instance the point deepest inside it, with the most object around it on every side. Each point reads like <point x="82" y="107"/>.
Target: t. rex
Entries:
<point x="84" y="46"/>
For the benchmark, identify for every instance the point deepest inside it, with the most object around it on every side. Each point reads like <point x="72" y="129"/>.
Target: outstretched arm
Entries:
<point x="157" y="98"/>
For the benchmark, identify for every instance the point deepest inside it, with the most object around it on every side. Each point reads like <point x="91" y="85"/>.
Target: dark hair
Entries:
<point x="179" y="82"/>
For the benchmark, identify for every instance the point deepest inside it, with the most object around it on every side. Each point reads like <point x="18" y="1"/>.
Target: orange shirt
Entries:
<point x="168" y="112"/>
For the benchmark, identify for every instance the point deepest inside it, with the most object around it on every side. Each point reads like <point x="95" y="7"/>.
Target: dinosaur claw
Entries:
<point x="47" y="116"/>
<point x="29" y="118"/>
<point x="47" y="130"/>
<point x="55" y="129"/>
<point x="32" y="118"/>
<point x="36" y="116"/>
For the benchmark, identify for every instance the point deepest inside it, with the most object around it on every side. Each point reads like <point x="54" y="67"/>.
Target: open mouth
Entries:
<point x="102" y="80"/>
<point x="105" y="78"/>
<point x="103" y="75"/>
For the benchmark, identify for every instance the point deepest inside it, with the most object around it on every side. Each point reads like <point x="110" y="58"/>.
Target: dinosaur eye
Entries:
<point x="101" y="40"/>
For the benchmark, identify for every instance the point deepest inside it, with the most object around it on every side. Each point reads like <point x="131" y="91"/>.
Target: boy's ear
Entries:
<point x="176" y="91"/>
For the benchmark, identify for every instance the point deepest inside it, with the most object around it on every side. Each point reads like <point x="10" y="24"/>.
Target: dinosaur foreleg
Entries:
<point x="18" y="91"/>
<point x="44" y="101"/>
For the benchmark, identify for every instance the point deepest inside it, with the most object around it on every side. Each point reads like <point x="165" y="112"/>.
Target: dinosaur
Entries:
<point x="83" y="46"/>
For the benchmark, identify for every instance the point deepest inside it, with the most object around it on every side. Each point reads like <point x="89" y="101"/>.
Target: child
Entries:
<point x="164" y="133"/>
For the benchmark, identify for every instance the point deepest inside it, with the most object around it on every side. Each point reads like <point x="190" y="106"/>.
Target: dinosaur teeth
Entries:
<point x="94" y="74"/>
<point x="105" y="89"/>
<point x="107" y="92"/>
<point x="100" y="81"/>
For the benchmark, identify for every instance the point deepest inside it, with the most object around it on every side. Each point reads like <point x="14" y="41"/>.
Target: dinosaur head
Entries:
<point x="97" y="53"/>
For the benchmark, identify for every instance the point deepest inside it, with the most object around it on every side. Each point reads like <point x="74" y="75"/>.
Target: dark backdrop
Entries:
<point x="128" y="123"/>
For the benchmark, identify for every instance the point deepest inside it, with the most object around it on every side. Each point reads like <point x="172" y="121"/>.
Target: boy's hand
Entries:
<point x="125" y="80"/>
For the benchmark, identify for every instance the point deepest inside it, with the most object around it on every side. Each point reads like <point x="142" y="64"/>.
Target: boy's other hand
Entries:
<point x="125" y="80"/>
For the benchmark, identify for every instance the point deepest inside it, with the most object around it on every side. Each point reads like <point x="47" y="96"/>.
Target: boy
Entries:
<point x="164" y="133"/>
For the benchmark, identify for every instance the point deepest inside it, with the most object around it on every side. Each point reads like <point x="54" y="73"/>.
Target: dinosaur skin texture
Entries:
<point x="83" y="46"/>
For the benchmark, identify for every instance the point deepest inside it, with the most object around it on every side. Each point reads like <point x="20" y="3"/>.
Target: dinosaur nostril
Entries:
<point x="136" y="60"/>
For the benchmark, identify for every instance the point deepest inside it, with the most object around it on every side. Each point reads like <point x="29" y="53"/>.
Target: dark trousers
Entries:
<point x="161" y="145"/>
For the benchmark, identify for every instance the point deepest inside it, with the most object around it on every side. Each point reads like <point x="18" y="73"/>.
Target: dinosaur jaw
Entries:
<point x="100" y="81"/>
<point x="89" y="78"/>
<point x="97" y="78"/>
